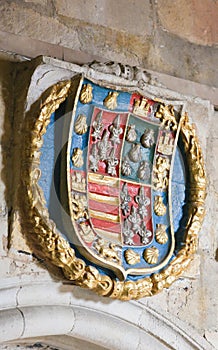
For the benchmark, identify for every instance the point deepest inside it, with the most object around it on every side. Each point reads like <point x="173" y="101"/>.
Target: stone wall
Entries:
<point x="175" y="37"/>
<point x="181" y="317"/>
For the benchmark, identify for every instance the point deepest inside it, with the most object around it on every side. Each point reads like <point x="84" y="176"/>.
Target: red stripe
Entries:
<point x="105" y="225"/>
<point x="106" y="208"/>
<point x="103" y="189"/>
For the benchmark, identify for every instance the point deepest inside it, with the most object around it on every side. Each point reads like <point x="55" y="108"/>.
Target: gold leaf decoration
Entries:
<point x="166" y="115"/>
<point x="86" y="94"/>
<point x="50" y="245"/>
<point x="132" y="257"/>
<point x="81" y="126"/>
<point x="160" y="234"/>
<point x="151" y="255"/>
<point x="111" y="100"/>
<point x="159" y="207"/>
<point x="77" y="157"/>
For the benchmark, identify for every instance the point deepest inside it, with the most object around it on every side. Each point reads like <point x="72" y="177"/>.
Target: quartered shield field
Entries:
<point x="120" y="177"/>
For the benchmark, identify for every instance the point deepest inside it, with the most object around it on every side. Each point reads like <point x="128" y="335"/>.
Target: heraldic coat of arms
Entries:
<point x="130" y="177"/>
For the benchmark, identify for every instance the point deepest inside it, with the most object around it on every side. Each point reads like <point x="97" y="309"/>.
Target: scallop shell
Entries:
<point x="135" y="154"/>
<point x="111" y="100"/>
<point x="160" y="234"/>
<point x="159" y="207"/>
<point x="132" y="257"/>
<point x="147" y="139"/>
<point x="131" y="134"/>
<point x="81" y="126"/>
<point x="77" y="157"/>
<point x="86" y="94"/>
<point x="151" y="255"/>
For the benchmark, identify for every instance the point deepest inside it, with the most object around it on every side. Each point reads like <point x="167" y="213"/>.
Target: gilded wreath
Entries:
<point x="120" y="166"/>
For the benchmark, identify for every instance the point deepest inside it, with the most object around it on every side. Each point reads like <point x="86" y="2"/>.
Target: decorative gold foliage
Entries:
<point x="161" y="173"/>
<point x="167" y="117"/>
<point x="48" y="242"/>
<point x="79" y="207"/>
<point x="108" y="251"/>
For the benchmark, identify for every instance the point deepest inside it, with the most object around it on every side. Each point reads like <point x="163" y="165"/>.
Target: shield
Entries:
<point x="112" y="184"/>
<point x="120" y="155"/>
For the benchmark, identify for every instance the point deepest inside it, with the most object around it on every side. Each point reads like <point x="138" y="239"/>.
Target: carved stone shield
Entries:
<point x="121" y="151"/>
<point x="130" y="177"/>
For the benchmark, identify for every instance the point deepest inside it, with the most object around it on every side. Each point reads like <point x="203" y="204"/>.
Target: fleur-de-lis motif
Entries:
<point x="125" y="199"/>
<point x="145" y="234"/>
<point x="112" y="162"/>
<point x="103" y="146"/>
<point x="128" y="233"/>
<point x="115" y="130"/>
<point x="97" y="126"/>
<point x="142" y="201"/>
<point x="94" y="158"/>
<point x="134" y="218"/>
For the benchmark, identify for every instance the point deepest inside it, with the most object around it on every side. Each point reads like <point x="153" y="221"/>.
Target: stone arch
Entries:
<point x="48" y="314"/>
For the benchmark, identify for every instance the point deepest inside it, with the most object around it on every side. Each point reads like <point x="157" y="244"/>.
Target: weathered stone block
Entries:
<point x="195" y="21"/>
<point x="121" y="15"/>
<point x="28" y="22"/>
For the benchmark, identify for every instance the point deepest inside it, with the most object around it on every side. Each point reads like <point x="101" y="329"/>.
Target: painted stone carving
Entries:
<point x="132" y="257"/>
<point x="151" y="255"/>
<point x="167" y="116"/>
<point x="86" y="94"/>
<point x="94" y="158"/>
<point x="147" y="139"/>
<point x="121" y="162"/>
<point x="125" y="199"/>
<point x="77" y="157"/>
<point x="97" y="126"/>
<point x="159" y="206"/>
<point x="135" y="153"/>
<point x="161" y="234"/>
<point x="126" y="167"/>
<point x="111" y="100"/>
<point x="131" y="134"/>
<point x="115" y="130"/>
<point x="143" y="171"/>
<point x="81" y="126"/>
